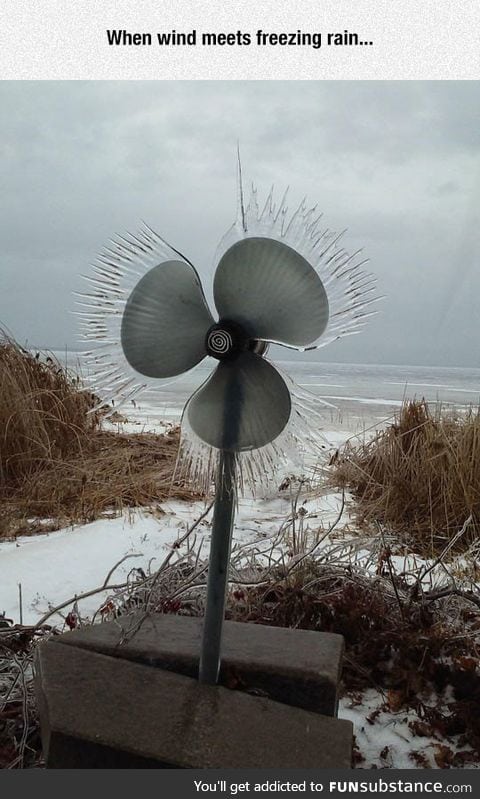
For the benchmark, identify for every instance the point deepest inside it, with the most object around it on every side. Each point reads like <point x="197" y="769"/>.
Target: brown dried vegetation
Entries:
<point x="419" y="477"/>
<point x="418" y="651"/>
<point x="57" y="463"/>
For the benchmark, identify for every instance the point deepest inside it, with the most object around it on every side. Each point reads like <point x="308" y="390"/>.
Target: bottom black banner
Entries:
<point x="230" y="783"/>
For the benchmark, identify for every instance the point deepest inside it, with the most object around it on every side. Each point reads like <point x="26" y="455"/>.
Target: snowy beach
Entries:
<point x="53" y="566"/>
<point x="40" y="572"/>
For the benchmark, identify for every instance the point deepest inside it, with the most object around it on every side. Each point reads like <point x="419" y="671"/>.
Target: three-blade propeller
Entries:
<point x="264" y="291"/>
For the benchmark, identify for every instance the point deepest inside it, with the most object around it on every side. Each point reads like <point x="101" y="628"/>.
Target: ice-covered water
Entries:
<point x="369" y="392"/>
<point x="361" y="393"/>
<point x="384" y="387"/>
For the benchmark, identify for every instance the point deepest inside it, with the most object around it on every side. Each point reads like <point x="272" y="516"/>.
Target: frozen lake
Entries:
<point x="363" y="394"/>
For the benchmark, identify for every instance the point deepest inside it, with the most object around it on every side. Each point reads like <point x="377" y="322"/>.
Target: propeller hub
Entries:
<point x="226" y="340"/>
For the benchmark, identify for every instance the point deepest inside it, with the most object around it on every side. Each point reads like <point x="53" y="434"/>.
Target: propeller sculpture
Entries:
<point x="278" y="279"/>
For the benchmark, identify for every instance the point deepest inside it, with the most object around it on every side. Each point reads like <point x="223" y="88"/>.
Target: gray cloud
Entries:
<point x="397" y="163"/>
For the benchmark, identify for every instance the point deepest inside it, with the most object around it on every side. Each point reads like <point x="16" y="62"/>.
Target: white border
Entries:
<point x="413" y="39"/>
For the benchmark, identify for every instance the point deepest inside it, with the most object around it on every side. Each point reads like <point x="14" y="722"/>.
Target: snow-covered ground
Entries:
<point x="386" y="738"/>
<point x="55" y="566"/>
<point x="46" y="570"/>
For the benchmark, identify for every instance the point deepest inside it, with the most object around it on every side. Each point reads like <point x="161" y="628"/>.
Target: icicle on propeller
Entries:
<point x="277" y="279"/>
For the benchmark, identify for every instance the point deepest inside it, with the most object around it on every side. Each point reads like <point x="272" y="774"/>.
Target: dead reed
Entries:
<point x="56" y="461"/>
<point x="419" y="478"/>
<point x="43" y="414"/>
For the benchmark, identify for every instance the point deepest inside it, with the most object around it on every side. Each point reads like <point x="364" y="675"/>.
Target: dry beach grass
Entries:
<point x="419" y="477"/>
<point x="56" y="461"/>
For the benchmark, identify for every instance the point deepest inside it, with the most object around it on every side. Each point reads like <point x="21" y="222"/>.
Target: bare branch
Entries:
<point x="119" y="563"/>
<point x="444" y="592"/>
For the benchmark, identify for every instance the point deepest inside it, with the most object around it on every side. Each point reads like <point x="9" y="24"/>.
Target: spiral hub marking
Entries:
<point x="219" y="342"/>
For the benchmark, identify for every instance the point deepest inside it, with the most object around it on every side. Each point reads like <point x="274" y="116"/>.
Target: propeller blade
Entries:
<point x="244" y="405"/>
<point x="165" y="321"/>
<point x="272" y="291"/>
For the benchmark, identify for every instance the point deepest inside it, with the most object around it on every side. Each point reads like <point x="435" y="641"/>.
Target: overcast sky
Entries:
<point x="397" y="163"/>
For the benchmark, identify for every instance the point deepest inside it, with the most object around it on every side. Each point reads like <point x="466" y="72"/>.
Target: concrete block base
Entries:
<point x="296" y="667"/>
<point x="104" y="704"/>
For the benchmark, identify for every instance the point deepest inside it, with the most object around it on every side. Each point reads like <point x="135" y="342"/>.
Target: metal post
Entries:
<point x="222" y="526"/>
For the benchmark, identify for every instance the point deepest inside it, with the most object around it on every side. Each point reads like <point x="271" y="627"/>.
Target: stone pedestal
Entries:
<point x="112" y="699"/>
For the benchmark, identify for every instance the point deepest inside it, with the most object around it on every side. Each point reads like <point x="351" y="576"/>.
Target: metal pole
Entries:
<point x="222" y="526"/>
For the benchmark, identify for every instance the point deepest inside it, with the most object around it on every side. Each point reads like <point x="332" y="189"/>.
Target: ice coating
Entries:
<point x="349" y="289"/>
<point x="335" y="301"/>
<point x="272" y="291"/>
<point x="301" y="443"/>
<point x="115" y="274"/>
